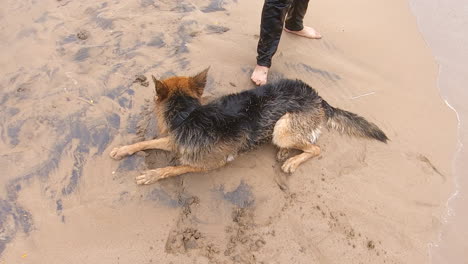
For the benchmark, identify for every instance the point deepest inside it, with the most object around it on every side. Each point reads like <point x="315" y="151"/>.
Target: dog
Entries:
<point x="288" y="113"/>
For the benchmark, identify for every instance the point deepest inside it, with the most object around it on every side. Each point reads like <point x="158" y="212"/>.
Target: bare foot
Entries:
<point x="260" y="75"/>
<point x="307" y="32"/>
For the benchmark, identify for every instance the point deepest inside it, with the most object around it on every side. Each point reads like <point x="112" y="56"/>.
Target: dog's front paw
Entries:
<point x="290" y="165"/>
<point x="120" y="153"/>
<point x="152" y="176"/>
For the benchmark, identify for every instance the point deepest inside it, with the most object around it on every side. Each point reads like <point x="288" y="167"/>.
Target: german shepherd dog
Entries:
<point x="204" y="137"/>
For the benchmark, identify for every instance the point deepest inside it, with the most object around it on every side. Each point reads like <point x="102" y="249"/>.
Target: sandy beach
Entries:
<point x="66" y="99"/>
<point x="443" y="27"/>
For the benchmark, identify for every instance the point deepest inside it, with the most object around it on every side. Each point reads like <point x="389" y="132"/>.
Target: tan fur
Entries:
<point x="151" y="176"/>
<point x="192" y="86"/>
<point x="164" y="143"/>
<point x="292" y="131"/>
<point x="162" y="126"/>
<point x="296" y="130"/>
<point x="218" y="157"/>
<point x="310" y="151"/>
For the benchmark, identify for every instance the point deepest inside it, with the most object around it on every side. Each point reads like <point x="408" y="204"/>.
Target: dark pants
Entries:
<point x="273" y="17"/>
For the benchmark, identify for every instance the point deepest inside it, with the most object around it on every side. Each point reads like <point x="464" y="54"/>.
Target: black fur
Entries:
<point x="238" y="122"/>
<point x="204" y="137"/>
<point x="253" y="112"/>
<point x="352" y="124"/>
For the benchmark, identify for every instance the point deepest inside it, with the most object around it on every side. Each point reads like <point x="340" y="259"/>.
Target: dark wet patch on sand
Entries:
<point x="167" y="74"/>
<point x="214" y="29"/>
<point x="128" y="52"/>
<point x="14" y="130"/>
<point x="114" y="120"/>
<point x="13" y="218"/>
<point x="178" y="6"/>
<point x="76" y="127"/>
<point x="164" y="198"/>
<point x="183" y="8"/>
<point x="132" y="122"/>
<point x="26" y="33"/>
<point x="81" y="135"/>
<point x="104" y="23"/>
<point x="82" y="54"/>
<point x="43" y="18"/>
<point x="274" y="76"/>
<point x="100" y="137"/>
<point x="157" y="41"/>
<point x="214" y="6"/>
<point x="59" y="206"/>
<point x="186" y="32"/>
<point x="77" y="171"/>
<point x="115" y="92"/>
<point x="125" y="102"/>
<point x="147" y="3"/>
<point x="12" y="111"/>
<point x="68" y="39"/>
<point x="242" y="196"/>
<point x="100" y="20"/>
<point x="131" y="163"/>
<point x="183" y="63"/>
<point x="309" y="69"/>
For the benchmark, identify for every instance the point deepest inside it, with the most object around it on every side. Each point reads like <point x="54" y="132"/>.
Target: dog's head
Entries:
<point x="189" y="86"/>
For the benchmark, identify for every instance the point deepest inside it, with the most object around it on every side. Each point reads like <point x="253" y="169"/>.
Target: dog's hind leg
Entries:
<point x="291" y="132"/>
<point x="164" y="143"/>
<point x="152" y="176"/>
<point x="310" y="151"/>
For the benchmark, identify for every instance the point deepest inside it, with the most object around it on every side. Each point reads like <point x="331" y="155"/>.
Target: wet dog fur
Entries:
<point x="288" y="113"/>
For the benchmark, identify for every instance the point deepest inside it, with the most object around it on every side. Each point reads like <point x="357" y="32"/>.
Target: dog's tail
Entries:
<point x="352" y="124"/>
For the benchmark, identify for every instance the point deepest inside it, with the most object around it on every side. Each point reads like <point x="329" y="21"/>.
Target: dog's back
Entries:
<point x="238" y="122"/>
<point x="246" y="118"/>
<point x="205" y="137"/>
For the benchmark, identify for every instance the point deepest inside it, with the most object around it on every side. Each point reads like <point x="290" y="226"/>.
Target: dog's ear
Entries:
<point x="198" y="81"/>
<point x="161" y="88"/>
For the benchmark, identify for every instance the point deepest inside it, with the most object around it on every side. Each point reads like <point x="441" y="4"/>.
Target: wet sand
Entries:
<point x="443" y="26"/>
<point x="67" y="100"/>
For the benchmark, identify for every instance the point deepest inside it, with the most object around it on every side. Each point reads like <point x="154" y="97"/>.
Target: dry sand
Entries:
<point x="65" y="102"/>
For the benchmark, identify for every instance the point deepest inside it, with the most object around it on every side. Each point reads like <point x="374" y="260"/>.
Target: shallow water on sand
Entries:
<point x="444" y="25"/>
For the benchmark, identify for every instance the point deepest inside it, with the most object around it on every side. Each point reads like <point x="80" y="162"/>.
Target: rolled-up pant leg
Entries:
<point x="295" y="18"/>
<point x="271" y="27"/>
<point x="273" y="18"/>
